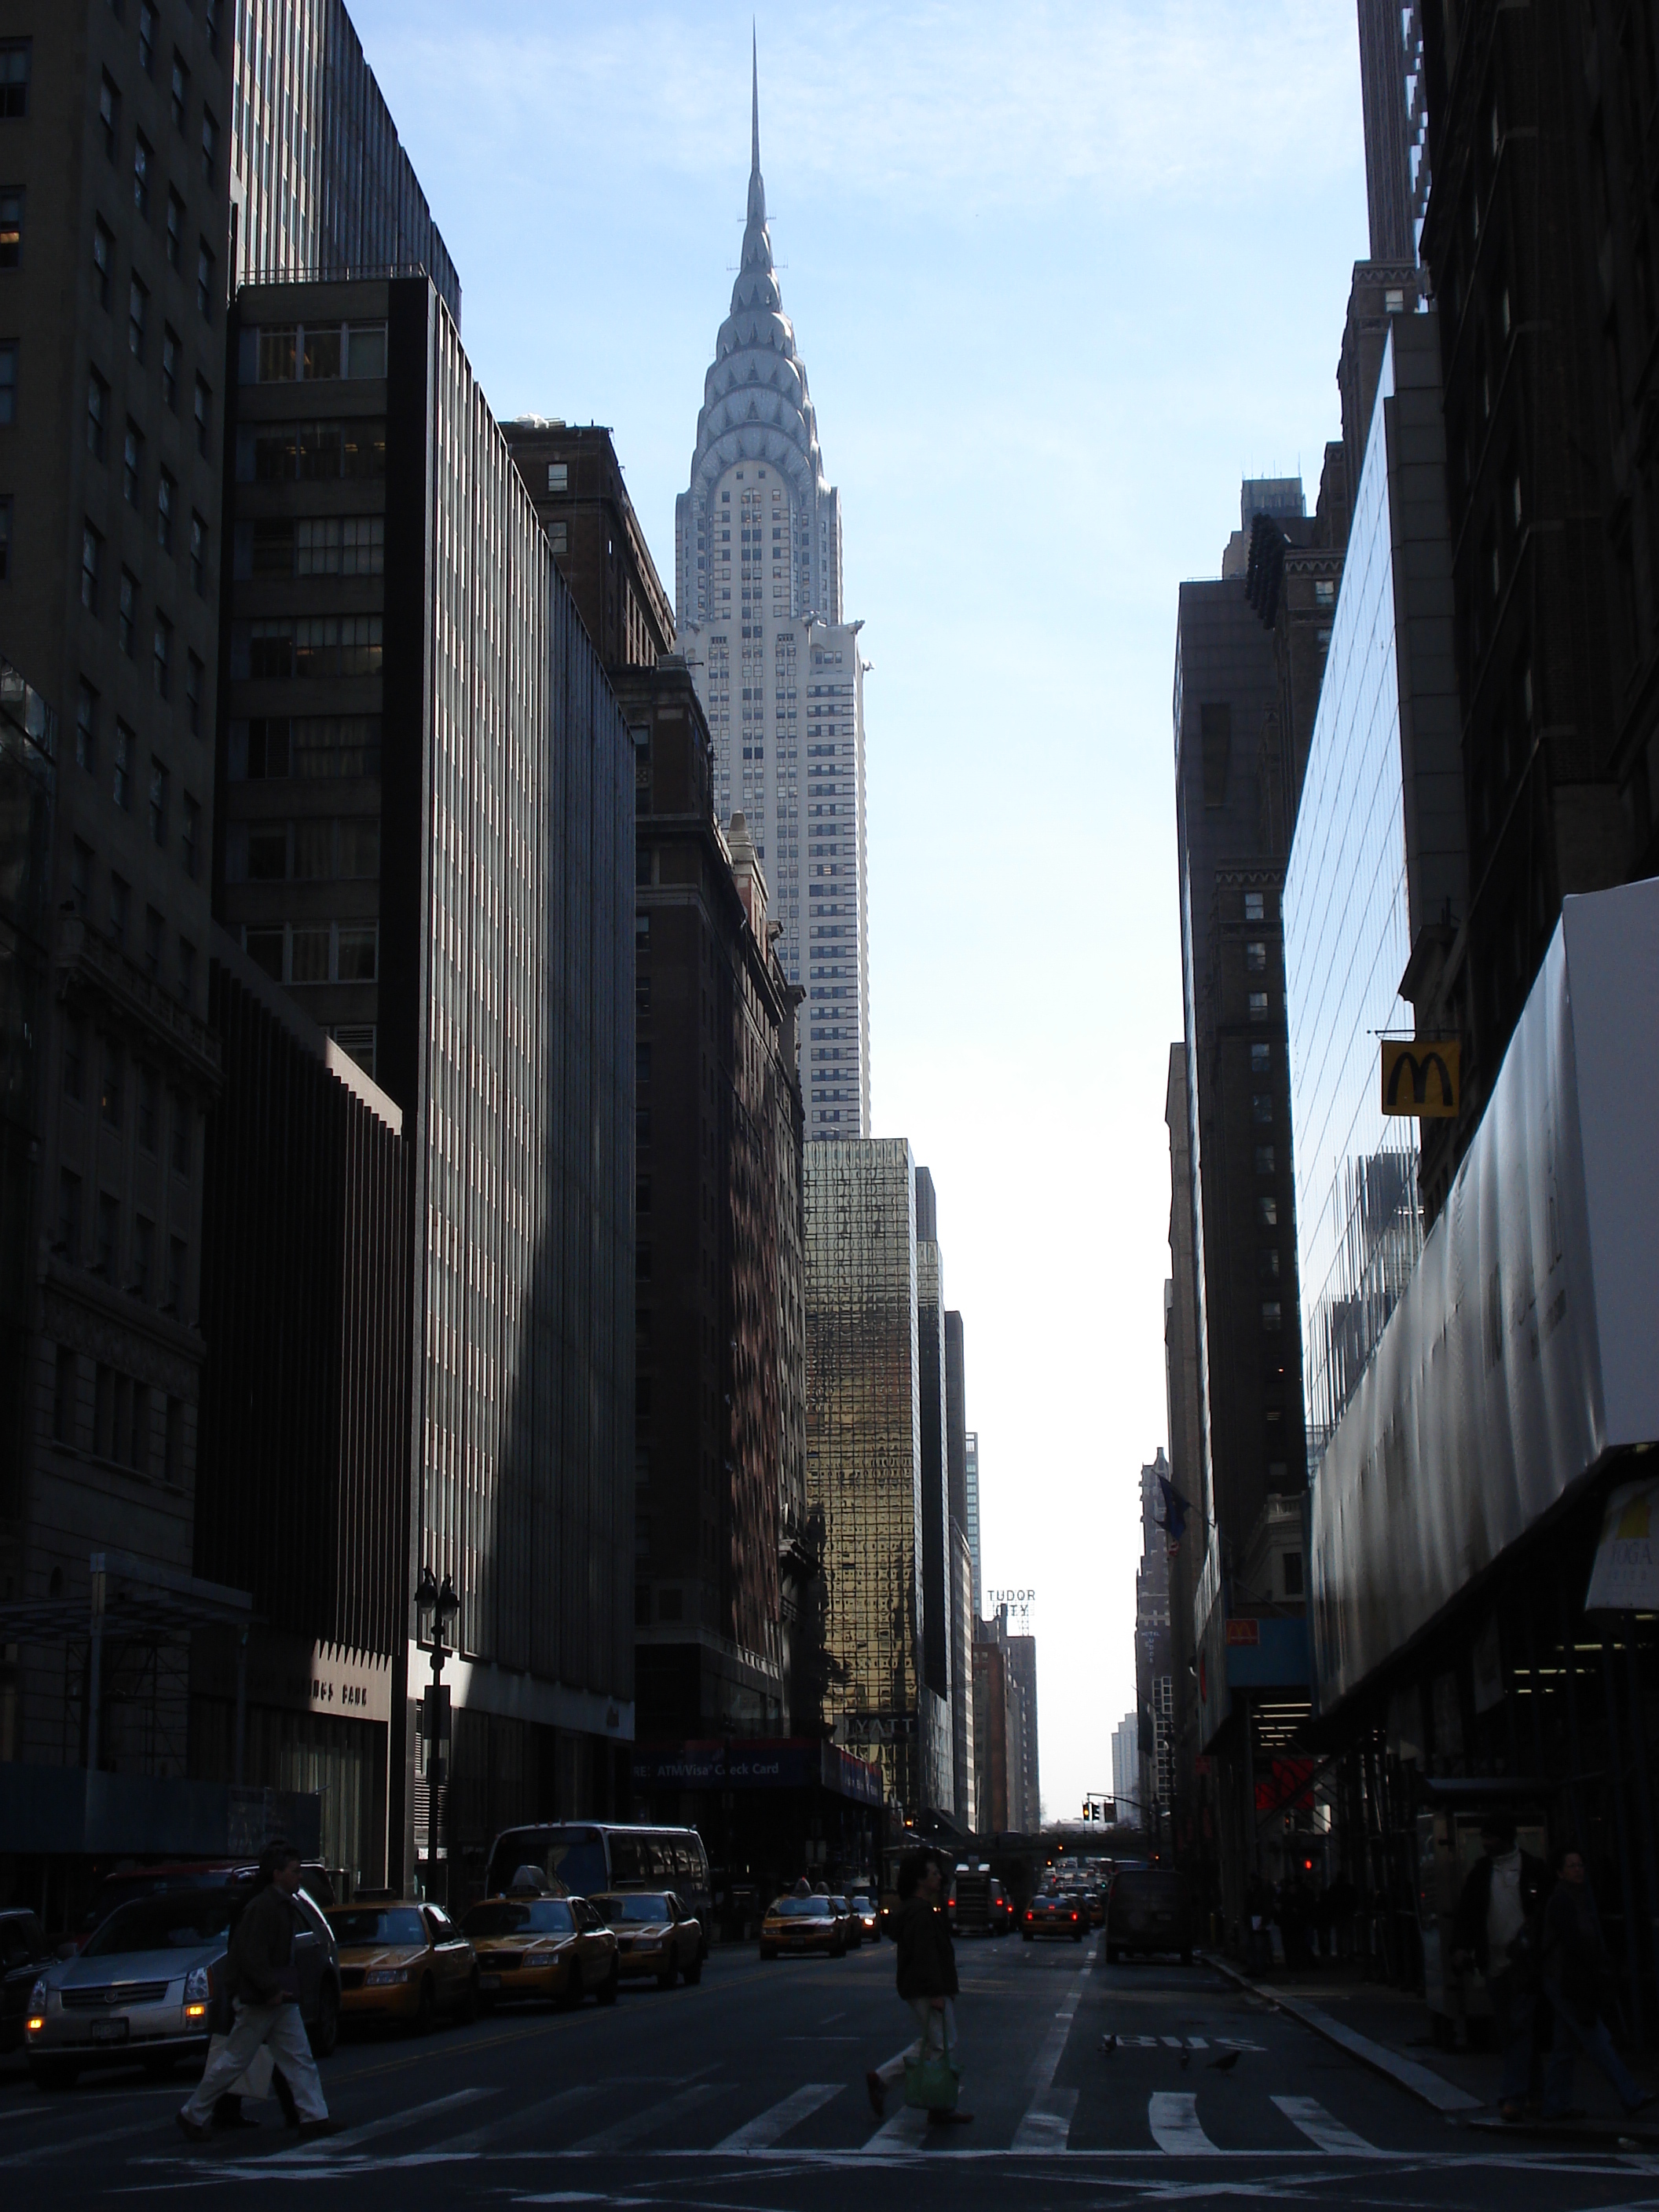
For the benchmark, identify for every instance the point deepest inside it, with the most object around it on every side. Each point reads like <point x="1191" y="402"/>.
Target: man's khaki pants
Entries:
<point x="278" y="2028"/>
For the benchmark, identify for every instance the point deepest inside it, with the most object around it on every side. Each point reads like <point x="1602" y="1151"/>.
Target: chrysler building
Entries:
<point x="757" y="597"/>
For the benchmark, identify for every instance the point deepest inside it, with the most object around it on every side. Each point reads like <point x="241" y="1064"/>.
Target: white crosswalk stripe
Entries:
<point x="905" y="2131"/>
<point x="648" y="2120"/>
<point x="1172" y="2116"/>
<point x="309" y="2154"/>
<point x="1047" y="2121"/>
<point x="1329" y="2134"/>
<point x="770" y="2126"/>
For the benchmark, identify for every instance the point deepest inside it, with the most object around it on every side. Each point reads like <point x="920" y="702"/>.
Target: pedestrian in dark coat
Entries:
<point x="927" y="1977"/>
<point x="1578" y="1978"/>
<point x="1497" y="1930"/>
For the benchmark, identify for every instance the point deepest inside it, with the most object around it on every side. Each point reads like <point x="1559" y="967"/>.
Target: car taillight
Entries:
<point x="1075" y="1916"/>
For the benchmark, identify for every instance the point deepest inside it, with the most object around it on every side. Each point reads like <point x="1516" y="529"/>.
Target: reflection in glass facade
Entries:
<point x="320" y="184"/>
<point x="1347" y="938"/>
<point x="864" y="1459"/>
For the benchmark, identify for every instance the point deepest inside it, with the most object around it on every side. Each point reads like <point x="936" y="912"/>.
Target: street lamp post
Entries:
<point x="436" y="1608"/>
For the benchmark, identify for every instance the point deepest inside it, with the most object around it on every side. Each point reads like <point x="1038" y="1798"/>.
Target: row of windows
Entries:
<point x="311" y="851"/>
<point x="138" y="339"/>
<point x="125" y="776"/>
<point x="310" y="646"/>
<point x="132" y="1270"/>
<point x="168" y="506"/>
<point x="311" y="452"/>
<point x="274" y="746"/>
<point x="312" y="545"/>
<point x="124" y="1419"/>
<point x="312" y="353"/>
<point x="113" y="1096"/>
<point x="325" y="952"/>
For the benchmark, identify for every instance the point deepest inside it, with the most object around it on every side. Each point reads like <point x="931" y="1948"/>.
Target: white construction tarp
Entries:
<point x="1524" y="1350"/>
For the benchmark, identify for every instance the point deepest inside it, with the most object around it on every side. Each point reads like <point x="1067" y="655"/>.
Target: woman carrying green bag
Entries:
<point x="928" y="1983"/>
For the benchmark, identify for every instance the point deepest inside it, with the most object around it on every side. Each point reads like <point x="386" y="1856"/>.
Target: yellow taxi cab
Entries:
<point x="532" y="1943"/>
<point x="655" y="1935"/>
<point x="800" y="1923"/>
<point x="405" y="1962"/>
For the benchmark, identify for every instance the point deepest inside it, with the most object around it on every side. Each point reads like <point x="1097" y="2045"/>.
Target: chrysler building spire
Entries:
<point x="758" y="601"/>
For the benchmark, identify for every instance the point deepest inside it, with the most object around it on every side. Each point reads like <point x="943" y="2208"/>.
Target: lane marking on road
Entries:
<point x="648" y="2121"/>
<point x="330" y="2147"/>
<point x="1319" y="2127"/>
<point x="904" y="2133"/>
<point x="1172" y="2116"/>
<point x="767" y="2128"/>
<point x="1047" y="2125"/>
<point x="1049" y="2118"/>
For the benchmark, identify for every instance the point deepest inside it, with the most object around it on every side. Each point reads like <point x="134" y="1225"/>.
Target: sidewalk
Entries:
<point x="1388" y="2029"/>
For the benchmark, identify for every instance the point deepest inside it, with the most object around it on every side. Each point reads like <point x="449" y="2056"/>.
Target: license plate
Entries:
<point x="109" y="2031"/>
<point x="490" y="1981"/>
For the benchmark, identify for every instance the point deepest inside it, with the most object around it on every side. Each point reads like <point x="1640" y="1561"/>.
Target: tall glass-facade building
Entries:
<point x="320" y="184"/>
<point x="759" y="607"/>
<point x="428" y="806"/>
<point x="1376" y="862"/>
<point x="865" y="1460"/>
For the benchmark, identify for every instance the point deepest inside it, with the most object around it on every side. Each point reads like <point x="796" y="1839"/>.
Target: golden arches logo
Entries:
<point x="1420" y="1077"/>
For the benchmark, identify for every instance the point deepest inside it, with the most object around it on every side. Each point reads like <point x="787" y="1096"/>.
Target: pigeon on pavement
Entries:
<point x="1108" y="2044"/>
<point x="1225" y="2064"/>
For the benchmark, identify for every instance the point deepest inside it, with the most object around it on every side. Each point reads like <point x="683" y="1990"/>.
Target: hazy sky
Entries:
<point x="1061" y="277"/>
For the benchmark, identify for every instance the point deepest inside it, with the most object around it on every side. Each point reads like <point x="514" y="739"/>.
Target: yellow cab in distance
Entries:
<point x="536" y="1940"/>
<point x="803" y="1921"/>
<point x="403" y="1962"/>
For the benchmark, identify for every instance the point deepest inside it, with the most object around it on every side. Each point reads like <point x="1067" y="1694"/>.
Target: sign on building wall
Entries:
<point x="1626" y="1576"/>
<point x="1420" y="1077"/>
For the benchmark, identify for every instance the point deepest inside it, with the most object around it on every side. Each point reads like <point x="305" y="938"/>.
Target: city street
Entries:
<point x="747" y="2094"/>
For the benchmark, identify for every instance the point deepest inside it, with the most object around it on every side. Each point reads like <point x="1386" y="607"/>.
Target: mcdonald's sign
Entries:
<point x="1419" y="1077"/>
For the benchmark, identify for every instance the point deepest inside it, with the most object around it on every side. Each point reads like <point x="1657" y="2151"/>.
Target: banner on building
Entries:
<point x="1626" y="1576"/>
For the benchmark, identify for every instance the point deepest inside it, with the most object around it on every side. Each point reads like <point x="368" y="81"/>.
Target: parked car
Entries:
<point x="655" y="1935"/>
<point x="796" y="1924"/>
<point x="404" y="1962"/>
<point x="129" y="1882"/>
<point x="1049" y="1914"/>
<point x="852" y="1927"/>
<point x="25" y="1953"/>
<point x="868" y="1913"/>
<point x="143" y="1987"/>
<point x="557" y="1949"/>
<point x="1148" y="1910"/>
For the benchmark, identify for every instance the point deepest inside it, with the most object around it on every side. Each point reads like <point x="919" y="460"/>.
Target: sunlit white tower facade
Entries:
<point x="758" y="601"/>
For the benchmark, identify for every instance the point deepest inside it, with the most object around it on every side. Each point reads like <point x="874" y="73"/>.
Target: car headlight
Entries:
<point x="198" y="1986"/>
<point x="382" y="1977"/>
<point x="36" y="2019"/>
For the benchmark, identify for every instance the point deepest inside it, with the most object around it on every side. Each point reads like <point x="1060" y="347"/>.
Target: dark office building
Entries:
<point x="1231" y="857"/>
<point x="571" y="473"/>
<point x="1543" y="129"/>
<point x="718" y="1452"/>
<point x="302" y="1494"/>
<point x="965" y="1610"/>
<point x="427" y="837"/>
<point x="111" y="300"/>
<point x="936" y="1580"/>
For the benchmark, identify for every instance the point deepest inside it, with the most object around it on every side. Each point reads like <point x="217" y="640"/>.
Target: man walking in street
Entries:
<point x="264" y="1990"/>
<point x="1497" y="1930"/>
<point x="1577" y="1979"/>
<point x="927" y="1979"/>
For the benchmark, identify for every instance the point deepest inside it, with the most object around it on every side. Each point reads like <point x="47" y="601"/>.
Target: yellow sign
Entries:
<point x="1419" y="1077"/>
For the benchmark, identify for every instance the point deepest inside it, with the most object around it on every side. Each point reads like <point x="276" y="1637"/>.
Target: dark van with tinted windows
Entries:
<point x="1148" y="1910"/>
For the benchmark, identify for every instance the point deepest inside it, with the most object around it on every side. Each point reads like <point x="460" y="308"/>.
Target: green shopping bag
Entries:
<point x="930" y="2081"/>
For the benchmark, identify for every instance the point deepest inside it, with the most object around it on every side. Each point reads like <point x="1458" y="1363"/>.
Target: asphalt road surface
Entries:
<point x="746" y="2094"/>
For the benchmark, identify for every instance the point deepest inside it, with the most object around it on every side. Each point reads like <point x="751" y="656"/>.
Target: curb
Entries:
<point x="1420" y="2081"/>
